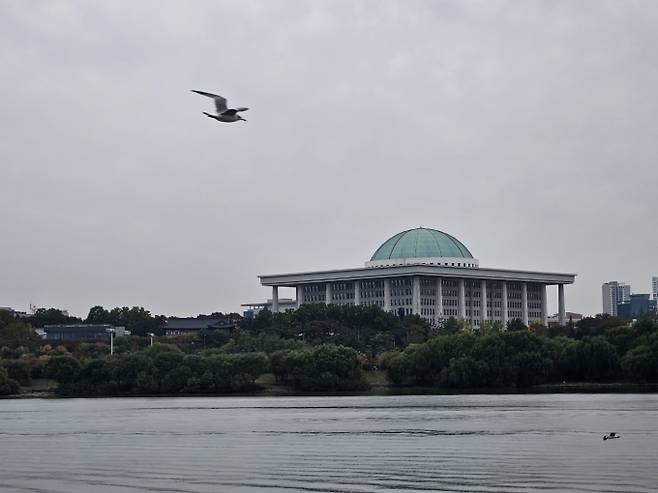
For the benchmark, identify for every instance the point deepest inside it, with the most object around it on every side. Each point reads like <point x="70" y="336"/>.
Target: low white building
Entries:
<point x="432" y="274"/>
<point x="252" y="309"/>
<point x="554" y="320"/>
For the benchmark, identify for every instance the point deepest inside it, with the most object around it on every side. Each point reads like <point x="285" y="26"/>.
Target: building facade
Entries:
<point x="176" y="326"/>
<point x="570" y="317"/>
<point x="250" y="310"/>
<point x="639" y="304"/>
<point x="14" y="313"/>
<point x="82" y="332"/>
<point x="432" y="274"/>
<point x="654" y="287"/>
<point x="613" y="293"/>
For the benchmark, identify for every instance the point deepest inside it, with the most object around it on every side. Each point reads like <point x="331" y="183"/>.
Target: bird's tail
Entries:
<point x="208" y="114"/>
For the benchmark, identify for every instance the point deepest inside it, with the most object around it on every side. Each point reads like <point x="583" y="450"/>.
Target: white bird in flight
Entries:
<point x="224" y="113"/>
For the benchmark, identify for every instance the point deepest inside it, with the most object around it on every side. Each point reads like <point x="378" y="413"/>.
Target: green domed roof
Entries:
<point x="421" y="243"/>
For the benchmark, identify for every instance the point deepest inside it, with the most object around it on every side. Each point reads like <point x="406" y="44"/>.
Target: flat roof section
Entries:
<point x="364" y="273"/>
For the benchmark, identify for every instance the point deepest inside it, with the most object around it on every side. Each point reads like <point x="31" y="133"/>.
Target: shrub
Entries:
<point x="64" y="369"/>
<point x="19" y="371"/>
<point x="8" y="386"/>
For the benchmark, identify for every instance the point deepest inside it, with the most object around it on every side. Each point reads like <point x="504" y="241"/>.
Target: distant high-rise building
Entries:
<point x="638" y="305"/>
<point x="615" y="292"/>
<point x="654" y="287"/>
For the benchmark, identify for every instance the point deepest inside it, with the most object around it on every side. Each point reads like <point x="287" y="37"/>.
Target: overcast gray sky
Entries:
<point x="528" y="130"/>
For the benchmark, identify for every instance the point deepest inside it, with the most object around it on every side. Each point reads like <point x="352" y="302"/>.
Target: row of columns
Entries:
<point x="438" y="311"/>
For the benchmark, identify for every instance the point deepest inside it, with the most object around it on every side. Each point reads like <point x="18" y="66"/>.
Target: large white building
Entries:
<point x="432" y="274"/>
<point x="613" y="293"/>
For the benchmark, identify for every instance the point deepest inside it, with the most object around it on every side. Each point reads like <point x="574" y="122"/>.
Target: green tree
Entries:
<point x="516" y="325"/>
<point x="6" y="317"/>
<point x="145" y="382"/>
<point x="594" y="326"/>
<point x="197" y="364"/>
<point x="450" y="326"/>
<point x="245" y="368"/>
<point x="397" y="368"/>
<point x="8" y="386"/>
<point x="217" y="376"/>
<point x="121" y="345"/>
<point x="325" y="367"/>
<point x="278" y="364"/>
<point x="51" y="316"/>
<point x="16" y="334"/>
<point x="63" y="369"/>
<point x="465" y="372"/>
<point x="641" y="363"/>
<point x="532" y="368"/>
<point x="159" y="348"/>
<point x="175" y="380"/>
<point x="566" y="359"/>
<point x="96" y="373"/>
<point x="19" y="371"/>
<point x="623" y="338"/>
<point x="599" y="359"/>
<point x="165" y="362"/>
<point x="98" y="315"/>
<point x="126" y="369"/>
<point x="137" y="320"/>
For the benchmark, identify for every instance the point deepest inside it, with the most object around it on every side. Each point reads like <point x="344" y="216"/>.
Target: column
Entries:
<point x="438" y="308"/>
<point x="327" y="296"/>
<point x="357" y="293"/>
<point x="504" y="311"/>
<point x="415" y="296"/>
<point x="544" y="308"/>
<point x="275" y="299"/>
<point x="462" y="300"/>
<point x="560" y="303"/>
<point x="300" y="295"/>
<point x="387" y="295"/>
<point x="483" y="301"/>
<point x="524" y="302"/>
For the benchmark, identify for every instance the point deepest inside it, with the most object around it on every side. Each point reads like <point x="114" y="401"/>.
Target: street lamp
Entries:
<point x="151" y="335"/>
<point x="111" y="331"/>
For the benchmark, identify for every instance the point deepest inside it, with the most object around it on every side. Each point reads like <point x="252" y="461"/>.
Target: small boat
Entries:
<point x="611" y="436"/>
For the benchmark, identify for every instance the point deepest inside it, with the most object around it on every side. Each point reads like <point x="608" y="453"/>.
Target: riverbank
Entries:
<point x="379" y="386"/>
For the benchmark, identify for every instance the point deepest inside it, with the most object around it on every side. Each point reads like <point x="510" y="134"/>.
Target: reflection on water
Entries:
<point x="331" y="444"/>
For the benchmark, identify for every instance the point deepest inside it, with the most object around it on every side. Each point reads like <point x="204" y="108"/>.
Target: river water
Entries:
<point x="483" y="443"/>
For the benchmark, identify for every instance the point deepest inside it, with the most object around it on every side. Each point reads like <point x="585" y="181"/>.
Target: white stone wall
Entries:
<point x="401" y="294"/>
<point x="372" y="292"/>
<point x="342" y="293"/>
<point x="314" y="293"/>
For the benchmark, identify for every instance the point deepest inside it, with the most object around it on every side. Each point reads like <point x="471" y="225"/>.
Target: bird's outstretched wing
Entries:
<point x="220" y="102"/>
<point x="233" y="111"/>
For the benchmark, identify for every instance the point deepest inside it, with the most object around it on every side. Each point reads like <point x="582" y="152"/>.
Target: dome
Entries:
<point x="422" y="245"/>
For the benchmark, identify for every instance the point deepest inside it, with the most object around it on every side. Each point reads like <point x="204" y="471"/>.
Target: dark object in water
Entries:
<point x="611" y="436"/>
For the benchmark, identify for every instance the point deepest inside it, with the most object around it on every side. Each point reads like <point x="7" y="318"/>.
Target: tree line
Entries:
<point x="165" y="369"/>
<point x="367" y="329"/>
<point x="521" y="358"/>
<point x="320" y="347"/>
